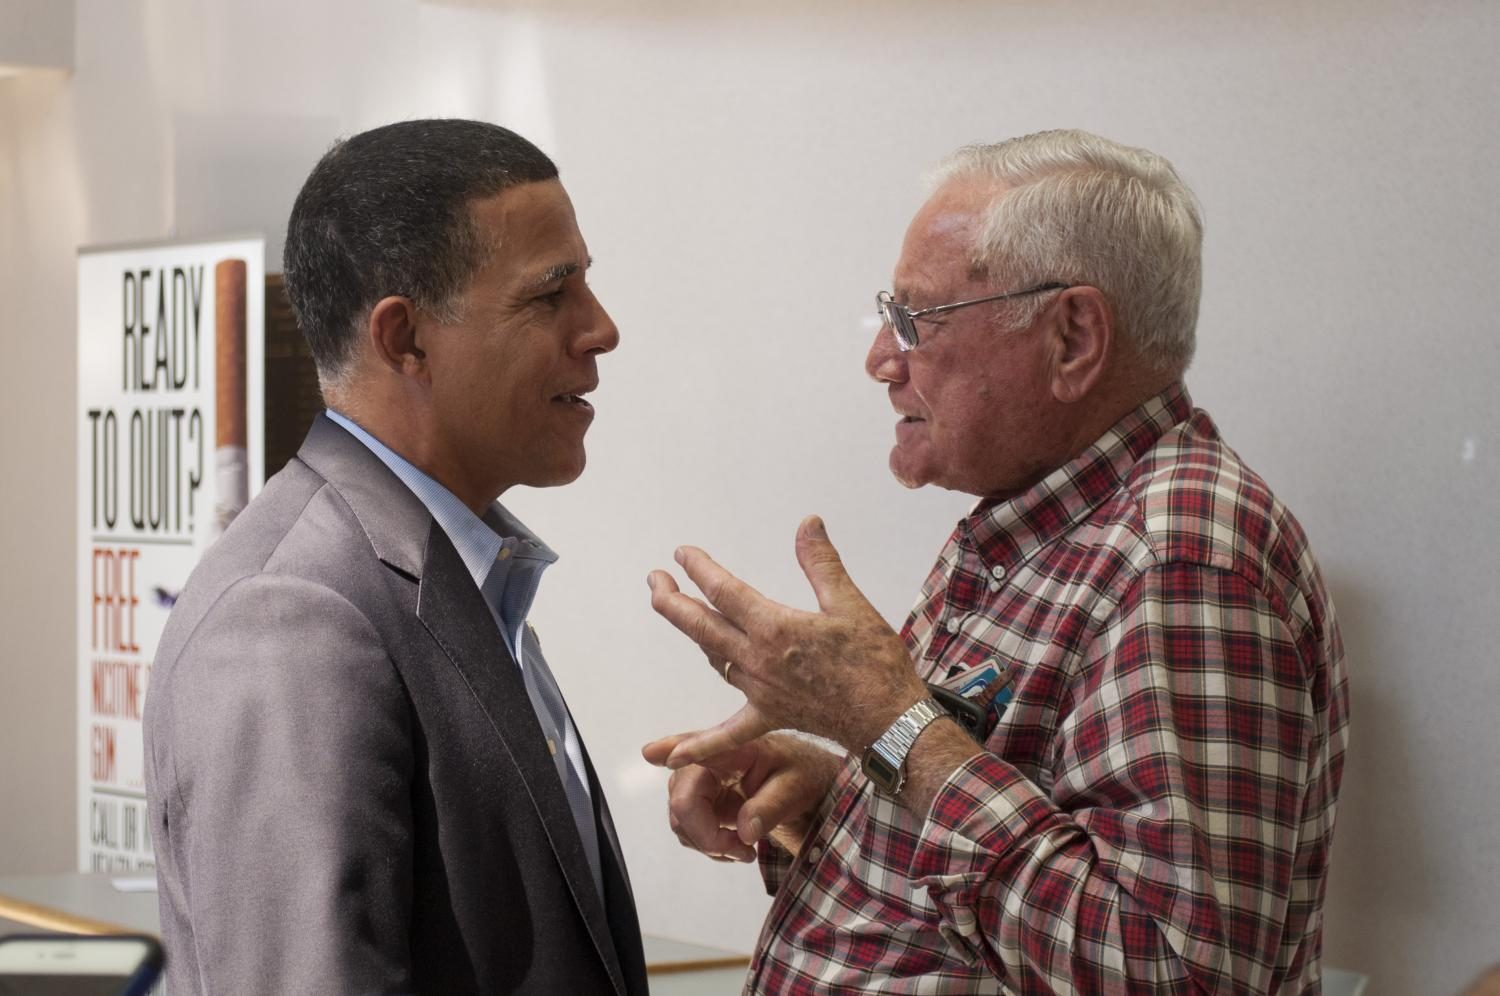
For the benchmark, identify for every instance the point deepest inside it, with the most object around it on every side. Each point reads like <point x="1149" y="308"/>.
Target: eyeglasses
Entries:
<point x="902" y="319"/>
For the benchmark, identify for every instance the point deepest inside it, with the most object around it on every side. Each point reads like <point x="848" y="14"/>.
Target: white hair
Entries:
<point x="1081" y="209"/>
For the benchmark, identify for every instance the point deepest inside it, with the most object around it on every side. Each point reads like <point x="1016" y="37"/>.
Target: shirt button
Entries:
<point x="814" y="853"/>
<point x="504" y="553"/>
<point x="952" y="625"/>
<point x="997" y="572"/>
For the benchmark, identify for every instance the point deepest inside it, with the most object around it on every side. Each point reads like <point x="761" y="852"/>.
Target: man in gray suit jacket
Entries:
<point x="361" y="774"/>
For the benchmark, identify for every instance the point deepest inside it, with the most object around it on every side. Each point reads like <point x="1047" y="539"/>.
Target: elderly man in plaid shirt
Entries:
<point x="1103" y="754"/>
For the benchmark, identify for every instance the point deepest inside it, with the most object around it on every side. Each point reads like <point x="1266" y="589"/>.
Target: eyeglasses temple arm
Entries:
<point x="981" y="300"/>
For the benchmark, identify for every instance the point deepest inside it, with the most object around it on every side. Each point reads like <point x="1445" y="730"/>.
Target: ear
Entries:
<point x="1084" y="333"/>
<point x="392" y="333"/>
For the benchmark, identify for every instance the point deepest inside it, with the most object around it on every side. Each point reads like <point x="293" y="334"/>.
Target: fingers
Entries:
<point x="723" y="806"/>
<point x="797" y="777"/>
<point x="727" y="593"/>
<point x="725" y="669"/>
<point x="730" y="763"/>
<point x="656" y="751"/>
<point x="823" y="566"/>
<point x="711" y="631"/>
<point x="782" y="798"/>
<point x="701" y="811"/>
<point x="709" y="746"/>
<point x="720" y="665"/>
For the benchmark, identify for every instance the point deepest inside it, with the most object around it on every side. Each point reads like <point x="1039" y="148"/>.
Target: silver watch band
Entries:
<point x="884" y="761"/>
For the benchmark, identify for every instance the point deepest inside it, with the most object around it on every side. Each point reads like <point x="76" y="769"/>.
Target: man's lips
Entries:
<point x="908" y="425"/>
<point x="574" y="399"/>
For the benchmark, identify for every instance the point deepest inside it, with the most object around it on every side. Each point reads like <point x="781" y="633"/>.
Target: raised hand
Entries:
<point x="840" y="672"/>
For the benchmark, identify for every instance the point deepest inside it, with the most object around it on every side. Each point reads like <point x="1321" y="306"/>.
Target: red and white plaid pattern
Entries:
<point x="1154" y="811"/>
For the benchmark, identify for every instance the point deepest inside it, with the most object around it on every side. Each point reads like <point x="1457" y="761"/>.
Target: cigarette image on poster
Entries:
<point x="231" y="433"/>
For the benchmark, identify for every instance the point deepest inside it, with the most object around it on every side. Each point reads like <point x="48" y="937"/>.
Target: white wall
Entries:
<point x="38" y="34"/>
<point x="744" y="180"/>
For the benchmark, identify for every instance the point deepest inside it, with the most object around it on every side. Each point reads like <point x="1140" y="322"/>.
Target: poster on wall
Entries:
<point x="170" y="417"/>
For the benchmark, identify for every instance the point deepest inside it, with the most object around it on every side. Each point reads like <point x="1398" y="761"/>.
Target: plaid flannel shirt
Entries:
<point x="1154" y="810"/>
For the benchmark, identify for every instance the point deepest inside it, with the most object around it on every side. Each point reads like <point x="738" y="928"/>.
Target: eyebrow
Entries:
<point x="902" y="293"/>
<point x="560" y="271"/>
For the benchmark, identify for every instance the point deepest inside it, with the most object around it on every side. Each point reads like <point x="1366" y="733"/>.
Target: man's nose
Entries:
<point x="885" y="362"/>
<point x="601" y="335"/>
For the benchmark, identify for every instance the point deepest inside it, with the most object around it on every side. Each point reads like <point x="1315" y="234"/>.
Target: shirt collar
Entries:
<point x="1006" y="532"/>
<point x="477" y="540"/>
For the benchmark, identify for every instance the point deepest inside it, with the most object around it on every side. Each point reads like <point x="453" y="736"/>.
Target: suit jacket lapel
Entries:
<point x="450" y="606"/>
<point x="618" y="897"/>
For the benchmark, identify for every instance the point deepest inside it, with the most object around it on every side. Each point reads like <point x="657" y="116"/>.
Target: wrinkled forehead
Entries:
<point x="941" y="248"/>
<point x="529" y="231"/>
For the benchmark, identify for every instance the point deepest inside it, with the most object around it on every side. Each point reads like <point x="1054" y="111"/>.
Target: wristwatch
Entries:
<point x="884" y="761"/>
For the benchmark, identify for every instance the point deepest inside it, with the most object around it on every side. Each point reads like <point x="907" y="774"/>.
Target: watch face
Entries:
<point x="880" y="771"/>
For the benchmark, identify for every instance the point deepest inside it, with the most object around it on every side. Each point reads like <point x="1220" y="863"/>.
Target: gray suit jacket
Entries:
<point x="348" y="789"/>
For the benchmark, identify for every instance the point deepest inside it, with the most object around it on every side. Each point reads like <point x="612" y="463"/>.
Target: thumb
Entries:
<point x="779" y="799"/>
<point x="822" y="564"/>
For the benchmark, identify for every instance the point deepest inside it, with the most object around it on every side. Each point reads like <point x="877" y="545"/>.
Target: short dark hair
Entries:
<point x="387" y="213"/>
